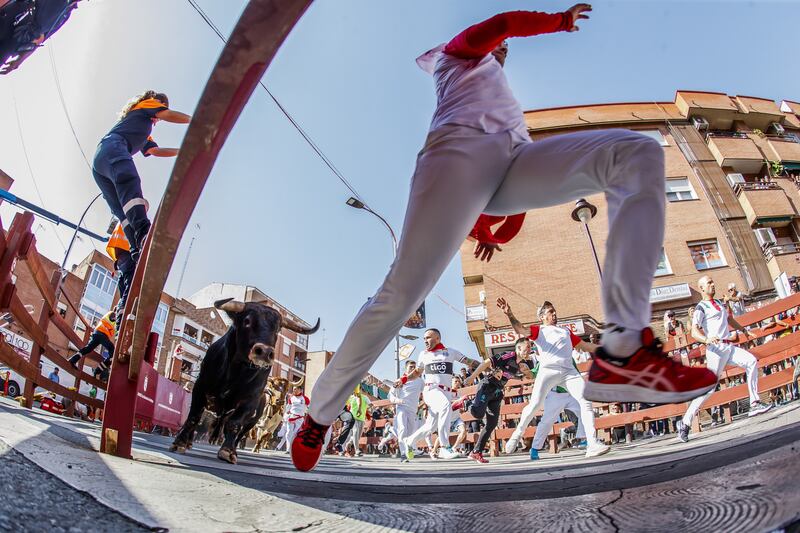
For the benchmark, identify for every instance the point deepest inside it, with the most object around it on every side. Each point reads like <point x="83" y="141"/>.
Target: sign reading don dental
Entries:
<point x="667" y="293"/>
<point x="507" y="337"/>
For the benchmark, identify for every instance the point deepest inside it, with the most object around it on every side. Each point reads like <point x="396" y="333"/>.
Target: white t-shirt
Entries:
<point x="555" y="345"/>
<point x="438" y="365"/>
<point x="296" y="406"/>
<point x="712" y="317"/>
<point x="473" y="93"/>
<point x="408" y="394"/>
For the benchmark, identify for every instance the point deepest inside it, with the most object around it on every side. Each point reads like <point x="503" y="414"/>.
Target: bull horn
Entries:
<point x="297" y="328"/>
<point x="229" y="305"/>
<point x="299" y="382"/>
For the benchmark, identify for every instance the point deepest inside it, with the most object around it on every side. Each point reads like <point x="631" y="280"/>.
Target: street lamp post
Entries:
<point x="355" y="203"/>
<point x="69" y="247"/>
<point x="583" y="213"/>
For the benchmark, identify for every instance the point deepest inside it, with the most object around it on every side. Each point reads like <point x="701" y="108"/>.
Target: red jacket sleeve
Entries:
<point x="534" y="333"/>
<point x="574" y="339"/>
<point x="480" y="39"/>
<point x="483" y="228"/>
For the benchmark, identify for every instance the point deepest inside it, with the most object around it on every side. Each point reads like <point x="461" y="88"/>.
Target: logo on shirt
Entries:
<point x="440" y="367"/>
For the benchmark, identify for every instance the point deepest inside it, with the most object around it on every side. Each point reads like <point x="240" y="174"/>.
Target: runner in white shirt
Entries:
<point x="405" y="399"/>
<point x="436" y="367"/>
<point x="296" y="408"/>
<point x="710" y="326"/>
<point x="556" y="367"/>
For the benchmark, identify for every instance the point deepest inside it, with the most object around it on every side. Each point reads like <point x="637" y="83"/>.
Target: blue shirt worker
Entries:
<point x="113" y="168"/>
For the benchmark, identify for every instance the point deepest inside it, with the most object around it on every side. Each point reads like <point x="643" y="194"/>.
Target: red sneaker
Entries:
<point x="307" y="444"/>
<point x="477" y="457"/>
<point x="648" y="376"/>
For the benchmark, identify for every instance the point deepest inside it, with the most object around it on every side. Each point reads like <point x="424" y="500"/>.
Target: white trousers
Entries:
<point x="387" y="438"/>
<point x="405" y="423"/>
<point x="291" y="430"/>
<point x="463" y="172"/>
<point x="554" y="404"/>
<point x="717" y="357"/>
<point x="355" y="435"/>
<point x="439" y="410"/>
<point x="570" y="379"/>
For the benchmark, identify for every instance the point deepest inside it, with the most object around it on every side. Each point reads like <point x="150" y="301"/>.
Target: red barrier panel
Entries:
<point x="169" y="402"/>
<point x="146" y="393"/>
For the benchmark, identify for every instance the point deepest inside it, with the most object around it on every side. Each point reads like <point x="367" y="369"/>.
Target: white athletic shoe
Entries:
<point x="447" y="453"/>
<point x="597" y="449"/>
<point x="512" y="443"/>
<point x="759" y="408"/>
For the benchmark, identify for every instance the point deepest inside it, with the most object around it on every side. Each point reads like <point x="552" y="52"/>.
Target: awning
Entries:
<point x="791" y="166"/>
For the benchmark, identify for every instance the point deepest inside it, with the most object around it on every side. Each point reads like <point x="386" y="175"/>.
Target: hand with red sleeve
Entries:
<point x="488" y="242"/>
<point x="482" y="38"/>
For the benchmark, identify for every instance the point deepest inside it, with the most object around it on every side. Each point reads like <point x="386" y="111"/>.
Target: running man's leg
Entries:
<point x="629" y="168"/>
<point x="455" y="178"/>
<point x="424" y="430"/>
<point x="717" y="357"/>
<point x="749" y="363"/>
<point x="546" y="379"/>
<point x="575" y="408"/>
<point x="439" y="404"/>
<point x="575" y="384"/>
<point x="95" y="340"/>
<point x="554" y="403"/>
<point x="402" y="423"/>
<point x="492" y="418"/>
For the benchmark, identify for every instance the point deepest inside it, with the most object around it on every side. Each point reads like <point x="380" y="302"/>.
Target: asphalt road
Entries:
<point x="34" y="500"/>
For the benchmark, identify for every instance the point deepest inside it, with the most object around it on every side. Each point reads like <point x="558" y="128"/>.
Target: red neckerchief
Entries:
<point x="439" y="346"/>
<point x="714" y="303"/>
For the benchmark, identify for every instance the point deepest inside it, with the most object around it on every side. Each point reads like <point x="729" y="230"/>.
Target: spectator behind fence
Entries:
<point x="673" y="326"/>
<point x="734" y="300"/>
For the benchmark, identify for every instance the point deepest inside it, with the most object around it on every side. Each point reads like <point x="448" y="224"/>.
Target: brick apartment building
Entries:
<point x="291" y="350"/>
<point x="733" y="173"/>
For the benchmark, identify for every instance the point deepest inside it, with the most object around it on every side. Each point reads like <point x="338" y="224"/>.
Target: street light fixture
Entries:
<point x="583" y="213"/>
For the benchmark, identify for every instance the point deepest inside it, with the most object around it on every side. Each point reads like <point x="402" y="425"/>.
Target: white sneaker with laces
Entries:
<point x="447" y="453"/>
<point x="512" y="443"/>
<point x="759" y="408"/>
<point x="596" y="449"/>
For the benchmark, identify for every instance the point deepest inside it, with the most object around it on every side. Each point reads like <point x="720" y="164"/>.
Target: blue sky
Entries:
<point x="272" y="214"/>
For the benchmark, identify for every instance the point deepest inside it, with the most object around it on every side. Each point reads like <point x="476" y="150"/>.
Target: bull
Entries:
<point x="233" y="374"/>
<point x="275" y="398"/>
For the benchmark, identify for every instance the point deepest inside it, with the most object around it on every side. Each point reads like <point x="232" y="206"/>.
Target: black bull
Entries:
<point x="234" y="373"/>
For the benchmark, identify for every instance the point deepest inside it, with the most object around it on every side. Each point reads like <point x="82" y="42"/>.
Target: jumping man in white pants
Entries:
<point x="436" y="367"/>
<point x="556" y="367"/>
<point x="405" y="399"/>
<point x="710" y="326"/>
<point x="479" y="159"/>
<point x="556" y="401"/>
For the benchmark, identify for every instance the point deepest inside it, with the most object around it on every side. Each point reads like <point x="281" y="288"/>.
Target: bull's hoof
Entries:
<point x="180" y="448"/>
<point x="227" y="455"/>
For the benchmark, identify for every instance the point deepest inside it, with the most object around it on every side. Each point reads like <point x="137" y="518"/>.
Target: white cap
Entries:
<point x="731" y="285"/>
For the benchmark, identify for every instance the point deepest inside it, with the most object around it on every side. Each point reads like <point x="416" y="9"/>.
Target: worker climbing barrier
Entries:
<point x="161" y="402"/>
<point x="258" y="34"/>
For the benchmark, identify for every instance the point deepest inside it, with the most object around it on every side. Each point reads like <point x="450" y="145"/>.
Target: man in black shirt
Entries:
<point x="498" y="370"/>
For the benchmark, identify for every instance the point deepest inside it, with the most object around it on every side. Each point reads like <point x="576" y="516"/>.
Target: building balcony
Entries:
<point x="783" y="258"/>
<point x="736" y="151"/>
<point x="765" y="204"/>
<point x="785" y="149"/>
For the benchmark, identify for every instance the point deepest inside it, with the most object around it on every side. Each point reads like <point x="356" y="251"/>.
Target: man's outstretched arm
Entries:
<point x="480" y="39"/>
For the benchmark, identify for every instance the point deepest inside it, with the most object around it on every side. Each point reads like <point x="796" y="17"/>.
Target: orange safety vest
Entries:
<point x="106" y="327"/>
<point x="117" y="241"/>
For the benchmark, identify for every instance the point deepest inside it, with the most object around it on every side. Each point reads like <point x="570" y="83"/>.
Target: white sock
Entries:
<point x="621" y="342"/>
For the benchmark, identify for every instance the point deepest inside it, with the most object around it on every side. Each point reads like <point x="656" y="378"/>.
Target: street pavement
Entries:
<point x="736" y="477"/>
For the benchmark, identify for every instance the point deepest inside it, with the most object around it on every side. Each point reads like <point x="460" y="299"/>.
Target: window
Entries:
<point x="160" y="320"/>
<point x="706" y="254"/>
<point x="62" y="309"/>
<point x="663" y="267"/>
<point x="91" y="316"/>
<point x="679" y="189"/>
<point x="299" y="363"/>
<point x="103" y="280"/>
<point x="655" y="134"/>
<point x="286" y="348"/>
